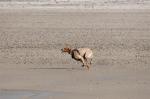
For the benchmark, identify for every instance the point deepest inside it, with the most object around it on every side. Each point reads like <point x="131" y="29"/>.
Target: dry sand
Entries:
<point x="32" y="66"/>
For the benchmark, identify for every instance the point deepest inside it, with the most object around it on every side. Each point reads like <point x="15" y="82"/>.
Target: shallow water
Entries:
<point x="27" y="94"/>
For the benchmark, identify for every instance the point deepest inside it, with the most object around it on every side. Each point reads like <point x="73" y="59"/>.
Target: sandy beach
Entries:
<point x="33" y="67"/>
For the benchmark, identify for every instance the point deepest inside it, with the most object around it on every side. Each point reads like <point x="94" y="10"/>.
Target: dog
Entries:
<point x="83" y="55"/>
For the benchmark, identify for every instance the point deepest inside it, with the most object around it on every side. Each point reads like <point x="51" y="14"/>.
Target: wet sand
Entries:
<point x="65" y="81"/>
<point x="33" y="67"/>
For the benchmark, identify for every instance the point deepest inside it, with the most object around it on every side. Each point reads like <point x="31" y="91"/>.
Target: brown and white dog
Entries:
<point x="84" y="55"/>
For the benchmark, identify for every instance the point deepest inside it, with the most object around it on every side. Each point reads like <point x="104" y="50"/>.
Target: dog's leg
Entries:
<point x="88" y="67"/>
<point x="87" y="64"/>
<point x="82" y="60"/>
<point x="90" y="61"/>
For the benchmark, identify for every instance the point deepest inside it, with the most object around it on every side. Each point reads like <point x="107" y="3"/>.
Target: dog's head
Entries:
<point x="66" y="49"/>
